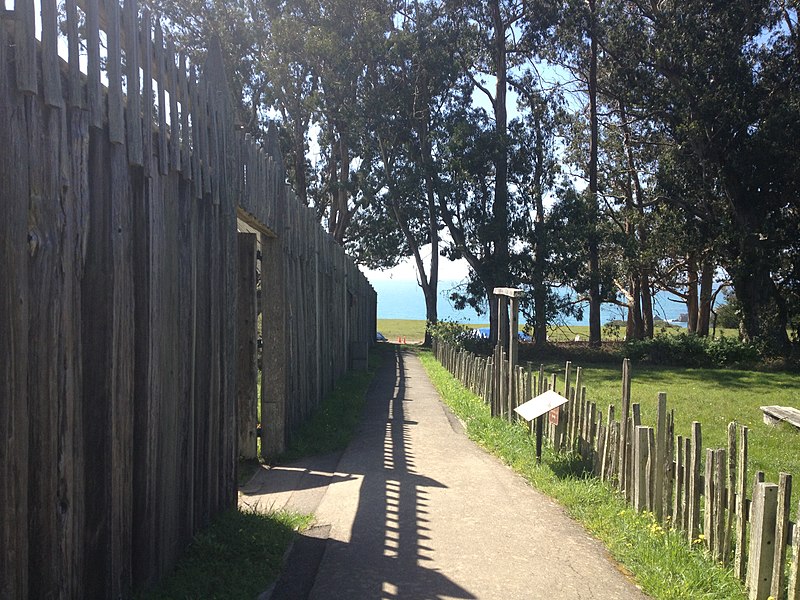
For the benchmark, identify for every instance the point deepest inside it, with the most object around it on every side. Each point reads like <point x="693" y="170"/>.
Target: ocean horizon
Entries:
<point x="403" y="299"/>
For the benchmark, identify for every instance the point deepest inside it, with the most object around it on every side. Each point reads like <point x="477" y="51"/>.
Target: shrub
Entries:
<point x="691" y="350"/>
<point x="451" y="332"/>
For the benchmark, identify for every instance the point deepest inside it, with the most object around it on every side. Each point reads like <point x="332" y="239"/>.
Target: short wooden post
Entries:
<point x="718" y="516"/>
<point x="651" y="468"/>
<point x="623" y="418"/>
<point x="661" y="447"/>
<point x="740" y="560"/>
<point x="763" y="515"/>
<point x="640" y="468"/>
<point x="513" y="352"/>
<point x="781" y="533"/>
<point x="694" y="483"/>
<point x="708" y="512"/>
<point x="687" y="457"/>
<point x="794" y="572"/>
<point x="731" y="497"/>
<point x="677" y="498"/>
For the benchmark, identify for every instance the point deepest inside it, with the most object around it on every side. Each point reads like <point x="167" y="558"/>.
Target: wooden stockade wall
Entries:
<point x="702" y="493"/>
<point x="122" y="342"/>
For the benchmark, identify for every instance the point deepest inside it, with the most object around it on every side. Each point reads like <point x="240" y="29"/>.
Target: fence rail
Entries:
<point x="658" y="471"/>
<point x="123" y="179"/>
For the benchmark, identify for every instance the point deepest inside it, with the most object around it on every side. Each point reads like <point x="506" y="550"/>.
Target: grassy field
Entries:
<point x="414" y="331"/>
<point x="714" y="397"/>
<point x="660" y="561"/>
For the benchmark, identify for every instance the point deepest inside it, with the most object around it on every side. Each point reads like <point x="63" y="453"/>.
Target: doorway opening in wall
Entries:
<point x="249" y="350"/>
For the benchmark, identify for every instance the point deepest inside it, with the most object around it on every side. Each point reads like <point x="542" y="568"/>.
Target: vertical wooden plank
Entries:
<point x="25" y="38"/>
<point x="640" y="455"/>
<point x="75" y="91"/>
<point x="624" y="413"/>
<point x="661" y="450"/>
<point x="677" y="499"/>
<point x="687" y="467"/>
<point x="133" y="107"/>
<point x="731" y="495"/>
<point x="174" y="116"/>
<point x="709" y="508"/>
<point x="693" y="528"/>
<point x="116" y="120"/>
<point x="740" y="558"/>
<point x="605" y="463"/>
<point x="107" y="416"/>
<point x="781" y="534"/>
<point x="186" y="107"/>
<point x="651" y="468"/>
<point x="51" y="74"/>
<point x="629" y="462"/>
<point x="94" y="95"/>
<point x="794" y="572"/>
<point x="669" y="467"/>
<point x="718" y="521"/>
<point x="14" y="319"/>
<point x="761" y="554"/>
<point x="146" y="49"/>
<point x="162" y="78"/>
<point x="71" y="456"/>
<point x="46" y="281"/>
<point x="197" y="127"/>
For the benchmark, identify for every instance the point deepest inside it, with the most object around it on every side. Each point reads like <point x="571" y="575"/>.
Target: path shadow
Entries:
<point x="389" y="554"/>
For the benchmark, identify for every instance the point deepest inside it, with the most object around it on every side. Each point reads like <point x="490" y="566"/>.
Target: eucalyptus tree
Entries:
<point x="497" y="39"/>
<point x="722" y="80"/>
<point x="410" y="84"/>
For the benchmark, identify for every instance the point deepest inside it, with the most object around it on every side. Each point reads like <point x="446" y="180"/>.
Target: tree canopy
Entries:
<point x="613" y="148"/>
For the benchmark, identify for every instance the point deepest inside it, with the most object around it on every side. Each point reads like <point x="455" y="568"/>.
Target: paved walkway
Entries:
<point x="414" y="510"/>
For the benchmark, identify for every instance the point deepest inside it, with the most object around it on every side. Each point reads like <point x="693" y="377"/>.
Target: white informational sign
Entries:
<point x="540" y="405"/>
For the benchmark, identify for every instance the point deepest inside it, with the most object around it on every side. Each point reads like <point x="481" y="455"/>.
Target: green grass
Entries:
<point x="335" y="421"/>
<point x="236" y="557"/>
<point x="414" y="330"/>
<point x="661" y="562"/>
<point x="241" y="552"/>
<point x="714" y="397"/>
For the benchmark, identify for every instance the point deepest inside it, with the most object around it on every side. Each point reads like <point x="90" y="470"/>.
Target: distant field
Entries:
<point x="415" y="331"/>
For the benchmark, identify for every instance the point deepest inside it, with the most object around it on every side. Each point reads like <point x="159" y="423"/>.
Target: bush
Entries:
<point x="691" y="350"/>
<point x="451" y="332"/>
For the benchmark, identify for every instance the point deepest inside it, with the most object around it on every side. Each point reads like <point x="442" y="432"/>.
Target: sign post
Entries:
<point x="548" y="402"/>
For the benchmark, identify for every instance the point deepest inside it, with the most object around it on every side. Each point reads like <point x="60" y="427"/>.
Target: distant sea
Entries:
<point x="403" y="299"/>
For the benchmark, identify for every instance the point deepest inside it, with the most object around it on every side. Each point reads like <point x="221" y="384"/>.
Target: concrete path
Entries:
<point x="413" y="509"/>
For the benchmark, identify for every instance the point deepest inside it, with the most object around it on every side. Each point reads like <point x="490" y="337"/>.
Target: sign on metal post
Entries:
<point x="539" y="405"/>
<point x="548" y="402"/>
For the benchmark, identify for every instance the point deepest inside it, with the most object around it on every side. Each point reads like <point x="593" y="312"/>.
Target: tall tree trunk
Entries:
<point x="431" y="296"/>
<point x="594" y="253"/>
<point x="763" y="309"/>
<point x="343" y="192"/>
<point x="501" y="234"/>
<point x="539" y="284"/>
<point x="764" y="315"/>
<point x="647" y="305"/>
<point x="706" y="292"/>
<point x="691" y="293"/>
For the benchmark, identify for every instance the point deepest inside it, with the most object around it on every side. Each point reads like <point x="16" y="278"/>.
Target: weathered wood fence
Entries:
<point x="702" y="493"/>
<point x="125" y="335"/>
